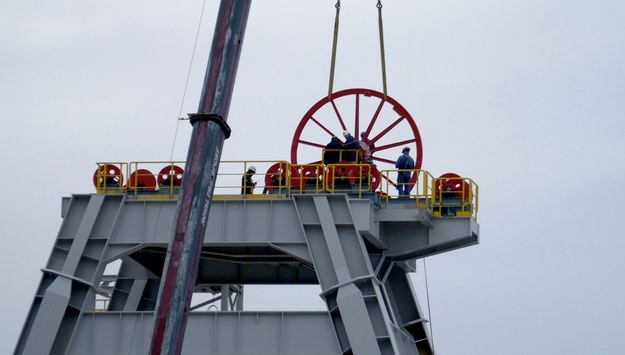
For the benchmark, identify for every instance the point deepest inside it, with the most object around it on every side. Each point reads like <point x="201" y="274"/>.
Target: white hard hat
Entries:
<point x="346" y="133"/>
<point x="252" y="168"/>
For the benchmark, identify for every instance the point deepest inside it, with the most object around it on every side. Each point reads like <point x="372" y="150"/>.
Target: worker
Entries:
<point x="332" y="153"/>
<point x="276" y="182"/>
<point x="367" y="141"/>
<point x="404" y="164"/>
<point x="366" y="146"/>
<point x="351" y="147"/>
<point x="247" y="184"/>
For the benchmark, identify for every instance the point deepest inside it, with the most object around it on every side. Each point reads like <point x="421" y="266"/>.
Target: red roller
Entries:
<point x="171" y="175"/>
<point x="310" y="175"/>
<point x="341" y="174"/>
<point x="369" y="171"/>
<point x="107" y="175"/>
<point x="451" y="185"/>
<point x="278" y="169"/>
<point x="142" y="178"/>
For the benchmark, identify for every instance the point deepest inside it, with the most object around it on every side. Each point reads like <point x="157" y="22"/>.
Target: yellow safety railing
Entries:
<point x="109" y="177"/>
<point x="348" y="178"/>
<point x="443" y="197"/>
<point x="455" y="197"/>
<point x="310" y="178"/>
<point x="274" y="179"/>
<point x="332" y="156"/>
<point x="421" y="190"/>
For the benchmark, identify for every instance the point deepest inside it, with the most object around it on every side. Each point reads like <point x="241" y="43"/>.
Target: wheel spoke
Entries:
<point x="389" y="180"/>
<point x="384" y="160"/>
<point x="338" y="114"/>
<point x="374" y="118"/>
<point x="357" y="115"/>
<point x="387" y="129"/>
<point x="396" y="144"/>
<point x="312" y="144"/>
<point x="321" y="126"/>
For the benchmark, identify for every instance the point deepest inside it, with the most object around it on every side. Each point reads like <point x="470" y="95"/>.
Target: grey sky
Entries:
<point x="525" y="97"/>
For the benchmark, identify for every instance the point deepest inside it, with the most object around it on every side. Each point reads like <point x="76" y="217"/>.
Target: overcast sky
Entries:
<point x="525" y="97"/>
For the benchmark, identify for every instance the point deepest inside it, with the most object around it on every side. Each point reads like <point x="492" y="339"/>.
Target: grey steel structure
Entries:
<point x="359" y="250"/>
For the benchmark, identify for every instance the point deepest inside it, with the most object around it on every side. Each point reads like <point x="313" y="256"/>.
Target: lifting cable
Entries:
<point x="186" y="84"/>
<point x="336" y="36"/>
<point x="334" y="46"/>
<point x="382" y="59"/>
<point x="184" y="94"/>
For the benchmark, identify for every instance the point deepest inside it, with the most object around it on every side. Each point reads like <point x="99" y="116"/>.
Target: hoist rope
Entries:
<point x="427" y="297"/>
<point x="382" y="58"/>
<point x="186" y="84"/>
<point x="334" y="42"/>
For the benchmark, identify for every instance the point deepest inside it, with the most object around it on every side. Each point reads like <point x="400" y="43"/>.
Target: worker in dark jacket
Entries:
<point x="404" y="164"/>
<point x="247" y="184"/>
<point x="332" y="153"/>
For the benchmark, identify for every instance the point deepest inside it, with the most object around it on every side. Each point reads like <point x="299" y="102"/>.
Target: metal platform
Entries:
<point x="358" y="251"/>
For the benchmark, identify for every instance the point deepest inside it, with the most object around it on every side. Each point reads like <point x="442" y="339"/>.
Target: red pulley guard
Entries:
<point x="352" y="171"/>
<point x="273" y="171"/>
<point x="170" y="170"/>
<point x="106" y="171"/>
<point x="375" y="176"/>
<point x="313" y="174"/>
<point x="346" y="167"/>
<point x="142" y="178"/>
<point x="451" y="182"/>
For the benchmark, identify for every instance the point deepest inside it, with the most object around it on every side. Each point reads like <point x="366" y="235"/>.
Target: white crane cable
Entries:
<point x="186" y="84"/>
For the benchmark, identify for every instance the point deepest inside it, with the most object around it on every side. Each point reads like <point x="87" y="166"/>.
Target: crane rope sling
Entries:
<point x="335" y="40"/>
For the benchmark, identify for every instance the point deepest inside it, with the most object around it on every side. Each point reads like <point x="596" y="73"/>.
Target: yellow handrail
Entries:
<point x="273" y="179"/>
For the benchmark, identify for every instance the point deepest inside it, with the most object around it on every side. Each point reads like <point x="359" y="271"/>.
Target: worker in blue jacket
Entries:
<point x="351" y="147"/>
<point x="404" y="164"/>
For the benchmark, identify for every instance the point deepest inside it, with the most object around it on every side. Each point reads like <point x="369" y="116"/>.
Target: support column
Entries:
<point x="352" y="292"/>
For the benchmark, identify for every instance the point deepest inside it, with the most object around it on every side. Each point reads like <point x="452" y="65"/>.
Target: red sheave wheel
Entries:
<point x="385" y="123"/>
